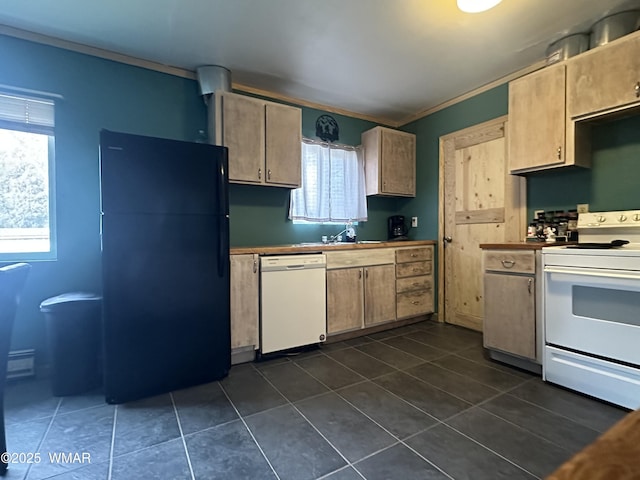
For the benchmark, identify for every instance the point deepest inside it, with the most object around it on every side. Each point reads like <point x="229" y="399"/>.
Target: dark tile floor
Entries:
<point x="417" y="402"/>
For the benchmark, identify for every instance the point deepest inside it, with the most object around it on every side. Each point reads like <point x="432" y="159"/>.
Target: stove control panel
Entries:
<point x="620" y="219"/>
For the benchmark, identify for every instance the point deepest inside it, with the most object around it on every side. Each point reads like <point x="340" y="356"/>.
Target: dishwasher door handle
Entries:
<point x="295" y="267"/>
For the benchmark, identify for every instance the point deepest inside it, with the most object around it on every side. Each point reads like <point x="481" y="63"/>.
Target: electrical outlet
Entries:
<point x="583" y="207"/>
<point x="414" y="222"/>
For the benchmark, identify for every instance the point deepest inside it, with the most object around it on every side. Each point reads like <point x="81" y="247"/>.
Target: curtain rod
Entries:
<point x="330" y="145"/>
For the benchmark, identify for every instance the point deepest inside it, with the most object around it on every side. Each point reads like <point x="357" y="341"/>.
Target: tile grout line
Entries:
<point x="397" y="439"/>
<point x="184" y="442"/>
<point x="113" y="442"/>
<point x="44" y="435"/>
<point x="249" y="430"/>
<point x="289" y="402"/>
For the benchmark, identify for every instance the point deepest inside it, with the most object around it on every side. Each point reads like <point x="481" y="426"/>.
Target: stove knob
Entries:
<point x="622" y="218"/>
<point x="602" y="219"/>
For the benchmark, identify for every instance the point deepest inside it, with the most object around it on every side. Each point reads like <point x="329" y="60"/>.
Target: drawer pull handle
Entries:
<point x="414" y="255"/>
<point x="259" y="174"/>
<point x="415" y="302"/>
<point x="529" y="283"/>
<point x="269" y="174"/>
<point x="416" y="284"/>
<point x="559" y="152"/>
<point x="255" y="266"/>
<point x="508" y="263"/>
<point x="637" y="88"/>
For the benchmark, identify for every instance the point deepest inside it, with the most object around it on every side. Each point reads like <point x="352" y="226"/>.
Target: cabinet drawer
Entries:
<point x="359" y="258"/>
<point x="411" y="304"/>
<point x="404" y="255"/>
<point x="411" y="284"/>
<point x="413" y="269"/>
<point x="513" y="261"/>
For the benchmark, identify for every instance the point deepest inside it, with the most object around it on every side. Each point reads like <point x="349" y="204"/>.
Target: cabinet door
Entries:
<point x="379" y="294"/>
<point x="605" y="78"/>
<point x="509" y="314"/>
<point x="537" y="120"/>
<point x="284" y="145"/>
<point x="243" y="132"/>
<point x="345" y="297"/>
<point x="244" y="301"/>
<point x="398" y="163"/>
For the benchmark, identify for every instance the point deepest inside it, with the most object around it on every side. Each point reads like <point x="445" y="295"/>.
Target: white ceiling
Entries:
<point x="388" y="59"/>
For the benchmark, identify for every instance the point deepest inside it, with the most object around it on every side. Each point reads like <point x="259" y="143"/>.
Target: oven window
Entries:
<point x="620" y="306"/>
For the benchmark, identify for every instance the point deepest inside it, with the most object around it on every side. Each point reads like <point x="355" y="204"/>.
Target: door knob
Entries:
<point x="447" y="239"/>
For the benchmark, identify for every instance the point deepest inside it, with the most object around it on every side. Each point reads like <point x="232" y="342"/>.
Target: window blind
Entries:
<point x="27" y="114"/>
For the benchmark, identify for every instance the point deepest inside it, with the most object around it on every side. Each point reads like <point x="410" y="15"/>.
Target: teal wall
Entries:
<point x="612" y="182"/>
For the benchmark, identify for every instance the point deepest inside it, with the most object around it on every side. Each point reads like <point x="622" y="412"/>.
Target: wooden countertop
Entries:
<point x="320" y="247"/>
<point x="523" y="245"/>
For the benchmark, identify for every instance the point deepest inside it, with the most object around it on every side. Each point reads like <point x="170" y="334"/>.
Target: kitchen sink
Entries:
<point x="333" y="244"/>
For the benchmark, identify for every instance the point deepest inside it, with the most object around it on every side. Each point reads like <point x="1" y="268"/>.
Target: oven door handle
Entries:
<point x="594" y="272"/>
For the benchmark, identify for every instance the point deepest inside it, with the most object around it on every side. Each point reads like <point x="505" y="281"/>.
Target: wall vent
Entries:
<point x="21" y="364"/>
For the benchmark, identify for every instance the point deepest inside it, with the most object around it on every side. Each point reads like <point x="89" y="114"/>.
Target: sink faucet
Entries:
<point x="334" y="238"/>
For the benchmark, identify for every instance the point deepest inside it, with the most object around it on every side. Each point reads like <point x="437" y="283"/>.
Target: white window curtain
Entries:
<point x="333" y="188"/>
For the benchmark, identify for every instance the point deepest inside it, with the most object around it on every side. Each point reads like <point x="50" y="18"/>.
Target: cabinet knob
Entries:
<point x="529" y="283"/>
<point x="637" y="89"/>
<point x="559" y="153"/>
<point x="259" y="174"/>
<point x="269" y="174"/>
<point x="447" y="239"/>
<point x="508" y="263"/>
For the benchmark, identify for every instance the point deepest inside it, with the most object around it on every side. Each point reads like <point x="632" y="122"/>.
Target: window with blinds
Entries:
<point x="27" y="227"/>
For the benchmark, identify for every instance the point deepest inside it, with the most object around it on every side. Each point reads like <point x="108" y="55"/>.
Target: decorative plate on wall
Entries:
<point x="327" y="128"/>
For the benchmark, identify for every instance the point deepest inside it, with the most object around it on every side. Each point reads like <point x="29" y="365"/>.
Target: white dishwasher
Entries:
<point x="293" y="302"/>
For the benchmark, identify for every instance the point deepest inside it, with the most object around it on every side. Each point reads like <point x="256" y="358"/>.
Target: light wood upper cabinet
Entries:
<point x="605" y="78"/>
<point x="244" y="301"/>
<point x="390" y="162"/>
<point x="379" y="294"/>
<point x="537" y="120"/>
<point x="264" y="140"/>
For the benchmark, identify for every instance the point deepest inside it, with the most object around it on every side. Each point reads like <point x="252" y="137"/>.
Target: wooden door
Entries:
<point x="537" y="119"/>
<point x="481" y="203"/>
<point x="379" y="294"/>
<point x="345" y="298"/>
<point x="510" y="314"/>
<point x="244" y="300"/>
<point x="243" y="132"/>
<point x="284" y="145"/>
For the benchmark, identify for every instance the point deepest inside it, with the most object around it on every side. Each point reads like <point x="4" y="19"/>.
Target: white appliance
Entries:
<point x="293" y="302"/>
<point x="592" y="309"/>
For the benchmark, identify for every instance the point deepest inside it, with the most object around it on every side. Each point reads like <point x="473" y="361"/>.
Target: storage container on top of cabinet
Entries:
<point x="390" y="162"/>
<point x="264" y="140"/>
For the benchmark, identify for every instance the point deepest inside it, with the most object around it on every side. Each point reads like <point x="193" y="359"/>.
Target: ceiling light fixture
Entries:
<point x="475" y="6"/>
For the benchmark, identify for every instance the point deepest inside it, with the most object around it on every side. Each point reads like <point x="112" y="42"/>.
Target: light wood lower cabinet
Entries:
<point x="511" y="318"/>
<point x="414" y="281"/>
<point x="360" y="289"/>
<point x="509" y="314"/>
<point x="345" y="299"/>
<point x="379" y="295"/>
<point x="245" y="295"/>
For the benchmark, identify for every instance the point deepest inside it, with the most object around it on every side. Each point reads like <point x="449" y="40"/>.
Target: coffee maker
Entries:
<point x="397" y="228"/>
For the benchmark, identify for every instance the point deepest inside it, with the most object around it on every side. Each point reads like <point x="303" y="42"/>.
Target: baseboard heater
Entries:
<point x="21" y="364"/>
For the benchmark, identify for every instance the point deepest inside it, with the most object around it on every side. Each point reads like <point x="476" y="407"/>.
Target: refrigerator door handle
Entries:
<point x="223" y="182"/>
<point x="223" y="245"/>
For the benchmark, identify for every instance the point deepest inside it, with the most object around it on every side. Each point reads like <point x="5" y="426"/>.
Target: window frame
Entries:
<point x="49" y="131"/>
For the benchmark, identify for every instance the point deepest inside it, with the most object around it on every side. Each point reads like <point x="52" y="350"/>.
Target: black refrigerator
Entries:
<point x="165" y="264"/>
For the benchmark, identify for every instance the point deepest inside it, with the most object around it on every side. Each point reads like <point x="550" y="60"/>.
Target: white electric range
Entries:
<point x="592" y="309"/>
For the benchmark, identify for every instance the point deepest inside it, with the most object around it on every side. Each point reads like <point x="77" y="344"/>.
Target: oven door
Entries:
<point x="593" y="310"/>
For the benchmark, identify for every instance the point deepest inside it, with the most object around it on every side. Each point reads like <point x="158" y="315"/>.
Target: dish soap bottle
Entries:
<point x="350" y="233"/>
